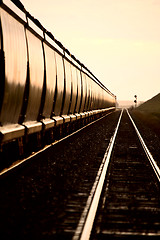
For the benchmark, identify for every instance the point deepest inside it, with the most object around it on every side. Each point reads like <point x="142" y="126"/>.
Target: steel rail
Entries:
<point x="149" y="155"/>
<point x="19" y="162"/>
<point x="85" y="225"/>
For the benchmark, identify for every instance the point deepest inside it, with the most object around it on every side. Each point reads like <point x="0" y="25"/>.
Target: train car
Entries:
<point x="44" y="90"/>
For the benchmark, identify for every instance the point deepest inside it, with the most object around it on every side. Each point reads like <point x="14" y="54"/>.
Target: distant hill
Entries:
<point x="151" y="106"/>
<point x="127" y="104"/>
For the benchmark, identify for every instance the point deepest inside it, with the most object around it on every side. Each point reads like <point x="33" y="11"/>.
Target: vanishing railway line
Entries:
<point x="130" y="203"/>
<point x="68" y="191"/>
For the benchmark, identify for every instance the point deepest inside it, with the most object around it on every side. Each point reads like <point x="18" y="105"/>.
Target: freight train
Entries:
<point x="44" y="89"/>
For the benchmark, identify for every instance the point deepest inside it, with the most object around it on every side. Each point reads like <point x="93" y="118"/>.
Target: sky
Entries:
<point x="118" y="40"/>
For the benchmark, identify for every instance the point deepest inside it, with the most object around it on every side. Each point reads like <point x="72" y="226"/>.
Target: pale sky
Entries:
<point x="118" y="40"/>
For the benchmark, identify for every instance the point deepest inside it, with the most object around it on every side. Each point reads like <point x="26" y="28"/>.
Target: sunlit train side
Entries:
<point x="43" y="88"/>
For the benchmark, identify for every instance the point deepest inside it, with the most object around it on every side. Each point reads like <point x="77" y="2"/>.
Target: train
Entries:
<point x="45" y="90"/>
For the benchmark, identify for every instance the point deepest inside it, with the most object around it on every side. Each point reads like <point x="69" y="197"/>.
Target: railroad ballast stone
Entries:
<point x="45" y="197"/>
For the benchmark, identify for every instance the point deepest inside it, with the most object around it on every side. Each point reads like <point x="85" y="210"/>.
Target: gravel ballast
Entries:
<point x="44" y="198"/>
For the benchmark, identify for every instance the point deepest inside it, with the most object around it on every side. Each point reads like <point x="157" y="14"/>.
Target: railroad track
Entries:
<point x="52" y="190"/>
<point x="129" y="205"/>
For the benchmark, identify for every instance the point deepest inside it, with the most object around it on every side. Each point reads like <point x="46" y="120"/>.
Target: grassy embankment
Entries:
<point x="149" y="113"/>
